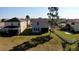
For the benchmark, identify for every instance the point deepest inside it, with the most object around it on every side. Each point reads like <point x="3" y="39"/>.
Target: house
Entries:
<point x="62" y="23"/>
<point x="14" y="26"/>
<point x="2" y="24"/>
<point x="29" y="23"/>
<point x="72" y="25"/>
<point x="40" y="25"/>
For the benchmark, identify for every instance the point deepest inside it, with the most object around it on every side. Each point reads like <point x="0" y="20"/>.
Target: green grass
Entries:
<point x="69" y="47"/>
<point x="27" y="32"/>
<point x="69" y="36"/>
<point x="53" y="45"/>
<point x="6" y="43"/>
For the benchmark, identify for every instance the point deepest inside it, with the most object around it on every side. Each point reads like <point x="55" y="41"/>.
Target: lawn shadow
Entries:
<point x="28" y="32"/>
<point x="3" y="34"/>
<point x="30" y="44"/>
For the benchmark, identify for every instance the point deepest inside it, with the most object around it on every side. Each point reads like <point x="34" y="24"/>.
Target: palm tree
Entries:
<point x="27" y="18"/>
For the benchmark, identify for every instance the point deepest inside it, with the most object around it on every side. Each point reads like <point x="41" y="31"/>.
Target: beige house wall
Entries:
<point x="23" y="26"/>
<point x="2" y="24"/>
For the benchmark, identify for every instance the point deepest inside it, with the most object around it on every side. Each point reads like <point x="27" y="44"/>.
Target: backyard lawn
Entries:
<point x="7" y="43"/>
<point x="68" y="35"/>
<point x="53" y="45"/>
<point x="69" y="38"/>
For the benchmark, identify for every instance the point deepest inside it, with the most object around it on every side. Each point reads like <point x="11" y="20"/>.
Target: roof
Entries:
<point x="15" y="20"/>
<point x="39" y="19"/>
<point x="73" y="20"/>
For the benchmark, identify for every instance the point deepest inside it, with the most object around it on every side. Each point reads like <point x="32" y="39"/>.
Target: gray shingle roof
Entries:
<point x="15" y="20"/>
<point x="73" y="20"/>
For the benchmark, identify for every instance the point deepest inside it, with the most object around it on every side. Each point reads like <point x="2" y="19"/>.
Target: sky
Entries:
<point x="35" y="12"/>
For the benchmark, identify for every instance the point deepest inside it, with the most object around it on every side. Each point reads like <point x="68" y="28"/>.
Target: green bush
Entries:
<point x="27" y="32"/>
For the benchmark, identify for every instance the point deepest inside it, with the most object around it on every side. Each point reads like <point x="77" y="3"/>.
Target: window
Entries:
<point x="73" y="23"/>
<point x="18" y="24"/>
<point x="11" y="24"/>
<point x="36" y="29"/>
<point x="37" y="23"/>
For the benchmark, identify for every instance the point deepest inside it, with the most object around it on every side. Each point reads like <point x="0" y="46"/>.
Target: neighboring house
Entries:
<point x="15" y="26"/>
<point x="29" y="23"/>
<point x="40" y="25"/>
<point x="62" y="23"/>
<point x="2" y="25"/>
<point x="72" y="25"/>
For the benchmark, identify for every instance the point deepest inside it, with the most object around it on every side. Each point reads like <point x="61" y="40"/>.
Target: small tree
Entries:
<point x="3" y="20"/>
<point x="27" y="18"/>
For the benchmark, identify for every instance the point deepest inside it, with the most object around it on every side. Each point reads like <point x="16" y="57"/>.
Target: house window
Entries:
<point x="11" y="24"/>
<point x="18" y="24"/>
<point x="37" y="23"/>
<point x="73" y="23"/>
<point x="36" y="29"/>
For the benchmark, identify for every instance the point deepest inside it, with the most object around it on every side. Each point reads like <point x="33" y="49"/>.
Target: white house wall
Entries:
<point x="29" y="23"/>
<point x="42" y="23"/>
<point x="23" y="26"/>
<point x="76" y="27"/>
<point x="2" y="24"/>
